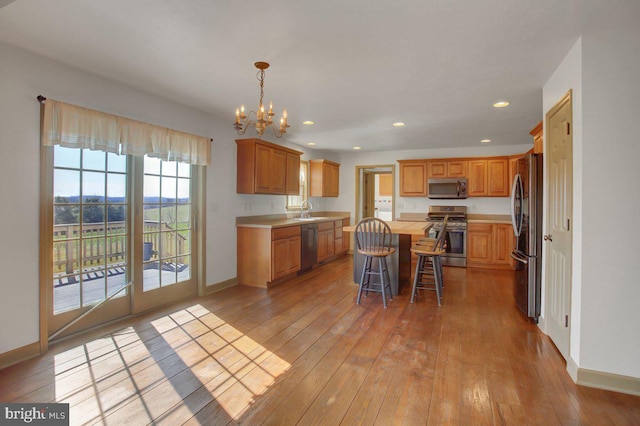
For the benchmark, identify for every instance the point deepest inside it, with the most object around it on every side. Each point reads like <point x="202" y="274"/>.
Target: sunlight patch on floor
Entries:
<point x="147" y="373"/>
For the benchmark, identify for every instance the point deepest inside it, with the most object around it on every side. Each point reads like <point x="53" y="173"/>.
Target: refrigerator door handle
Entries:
<point x="516" y="222"/>
<point x="520" y="258"/>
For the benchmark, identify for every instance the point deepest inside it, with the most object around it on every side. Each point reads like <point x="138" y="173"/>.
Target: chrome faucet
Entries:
<point x="306" y="213"/>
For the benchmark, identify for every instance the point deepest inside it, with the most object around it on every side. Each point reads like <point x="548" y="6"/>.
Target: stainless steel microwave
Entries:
<point x="445" y="188"/>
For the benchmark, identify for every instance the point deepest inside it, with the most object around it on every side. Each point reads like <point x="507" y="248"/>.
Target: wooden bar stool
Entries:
<point x="428" y="275"/>
<point x="373" y="241"/>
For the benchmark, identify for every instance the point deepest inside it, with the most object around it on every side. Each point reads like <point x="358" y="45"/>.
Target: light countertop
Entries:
<point x="489" y="218"/>
<point x="401" y="227"/>
<point x="471" y="217"/>
<point x="282" y="220"/>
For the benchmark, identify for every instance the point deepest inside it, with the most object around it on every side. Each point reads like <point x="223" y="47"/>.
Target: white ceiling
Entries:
<point x="352" y="66"/>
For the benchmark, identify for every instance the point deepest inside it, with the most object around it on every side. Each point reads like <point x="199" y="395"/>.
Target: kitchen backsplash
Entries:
<point x="475" y="205"/>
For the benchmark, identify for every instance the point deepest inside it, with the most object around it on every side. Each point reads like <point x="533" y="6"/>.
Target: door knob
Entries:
<point x="548" y="237"/>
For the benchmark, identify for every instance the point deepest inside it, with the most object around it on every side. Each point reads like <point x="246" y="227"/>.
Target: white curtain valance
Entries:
<point x="77" y="127"/>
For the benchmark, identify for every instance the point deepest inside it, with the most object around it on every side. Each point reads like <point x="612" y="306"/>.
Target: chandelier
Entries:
<point x="262" y="119"/>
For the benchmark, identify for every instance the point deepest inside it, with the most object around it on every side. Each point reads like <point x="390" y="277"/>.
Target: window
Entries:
<point x="166" y="203"/>
<point x="90" y="241"/>
<point x="295" y="201"/>
<point x="119" y="202"/>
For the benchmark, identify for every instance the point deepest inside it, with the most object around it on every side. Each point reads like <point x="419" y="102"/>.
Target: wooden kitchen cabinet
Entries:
<point x="338" y="235"/>
<point x="503" y="245"/>
<point x="324" y="178"/>
<point x="413" y="178"/>
<point x="326" y="243"/>
<point x="513" y="160"/>
<point x="447" y="168"/>
<point x="285" y="257"/>
<point x="477" y="180"/>
<point x="498" y="177"/>
<point x="479" y="244"/>
<point x="266" y="168"/>
<point x="385" y="185"/>
<point x="346" y="236"/>
<point x="266" y="255"/>
<point x="538" y="142"/>
<point x="292" y="174"/>
<point x="489" y="245"/>
<point x="488" y="178"/>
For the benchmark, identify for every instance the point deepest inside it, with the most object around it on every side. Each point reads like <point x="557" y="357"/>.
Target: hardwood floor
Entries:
<point x="305" y="353"/>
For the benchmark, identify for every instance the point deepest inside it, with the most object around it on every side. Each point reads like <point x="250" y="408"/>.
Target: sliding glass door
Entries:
<point x="90" y="236"/>
<point x="112" y="220"/>
<point x="165" y="216"/>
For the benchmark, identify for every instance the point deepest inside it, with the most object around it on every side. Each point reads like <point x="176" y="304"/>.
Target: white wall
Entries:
<point x="610" y="329"/>
<point x="603" y="69"/>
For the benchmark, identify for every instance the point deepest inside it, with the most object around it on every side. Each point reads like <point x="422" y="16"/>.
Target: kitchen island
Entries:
<point x="399" y="263"/>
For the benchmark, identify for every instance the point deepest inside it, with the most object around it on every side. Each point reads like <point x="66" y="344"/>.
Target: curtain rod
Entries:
<point x="41" y="99"/>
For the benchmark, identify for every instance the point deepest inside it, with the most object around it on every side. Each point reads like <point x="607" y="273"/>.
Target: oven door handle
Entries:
<point x="519" y="257"/>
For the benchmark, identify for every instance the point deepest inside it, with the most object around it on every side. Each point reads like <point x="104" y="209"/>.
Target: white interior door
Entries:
<point x="559" y="216"/>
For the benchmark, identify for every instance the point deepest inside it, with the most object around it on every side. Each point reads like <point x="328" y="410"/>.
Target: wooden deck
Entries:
<point x="305" y="353"/>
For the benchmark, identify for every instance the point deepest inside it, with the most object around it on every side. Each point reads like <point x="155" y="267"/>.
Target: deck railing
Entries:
<point x="108" y="242"/>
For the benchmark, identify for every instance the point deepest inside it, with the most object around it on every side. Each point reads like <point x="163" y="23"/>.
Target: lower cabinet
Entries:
<point x="285" y="256"/>
<point x="346" y="237"/>
<point x="338" y="235"/>
<point x="489" y="245"/>
<point x="267" y="254"/>
<point x="326" y="243"/>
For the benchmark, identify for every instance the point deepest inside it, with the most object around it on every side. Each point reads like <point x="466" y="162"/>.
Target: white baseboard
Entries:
<point x="542" y="324"/>
<point x="572" y="369"/>
<point x="607" y="381"/>
<point x="19" y="354"/>
<point x="214" y="288"/>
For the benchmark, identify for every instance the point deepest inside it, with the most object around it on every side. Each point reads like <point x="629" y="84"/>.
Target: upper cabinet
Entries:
<point x="324" y="178"/>
<point x="385" y="185"/>
<point x="413" y="178"/>
<point x="538" y="142"/>
<point x="488" y="177"/>
<point x="447" y="168"/>
<point x="477" y="179"/>
<point x="267" y="168"/>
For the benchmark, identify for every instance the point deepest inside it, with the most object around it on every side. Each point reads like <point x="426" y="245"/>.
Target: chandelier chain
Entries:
<point x="260" y="77"/>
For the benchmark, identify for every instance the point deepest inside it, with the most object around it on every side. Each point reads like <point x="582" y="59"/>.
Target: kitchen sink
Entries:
<point x="309" y="219"/>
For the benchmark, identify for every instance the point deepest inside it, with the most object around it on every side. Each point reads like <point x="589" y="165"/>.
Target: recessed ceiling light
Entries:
<point x="485" y="140"/>
<point x="356" y="147"/>
<point x="311" y="143"/>
<point x="308" y="122"/>
<point x="501" y="104"/>
<point x="398" y="124"/>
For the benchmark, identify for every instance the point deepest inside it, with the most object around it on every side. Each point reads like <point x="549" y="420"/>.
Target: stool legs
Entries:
<point x="365" y="272"/>
<point x="430" y="266"/>
<point x="383" y="273"/>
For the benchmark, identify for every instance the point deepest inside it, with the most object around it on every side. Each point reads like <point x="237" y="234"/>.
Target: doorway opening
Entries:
<point x="375" y="195"/>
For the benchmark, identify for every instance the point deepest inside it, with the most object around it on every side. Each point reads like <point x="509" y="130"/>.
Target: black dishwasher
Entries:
<point x="309" y="246"/>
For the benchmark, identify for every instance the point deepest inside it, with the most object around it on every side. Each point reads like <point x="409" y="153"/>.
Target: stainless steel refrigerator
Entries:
<point x="526" y="217"/>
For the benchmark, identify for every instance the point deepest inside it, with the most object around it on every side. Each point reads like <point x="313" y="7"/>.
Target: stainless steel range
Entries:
<point x="456" y="237"/>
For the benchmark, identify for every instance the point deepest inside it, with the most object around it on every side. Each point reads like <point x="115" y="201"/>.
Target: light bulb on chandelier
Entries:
<point x="263" y="119"/>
